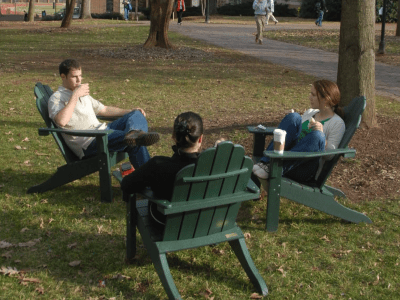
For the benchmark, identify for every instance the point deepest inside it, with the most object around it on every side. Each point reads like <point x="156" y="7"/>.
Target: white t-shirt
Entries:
<point x="83" y="118"/>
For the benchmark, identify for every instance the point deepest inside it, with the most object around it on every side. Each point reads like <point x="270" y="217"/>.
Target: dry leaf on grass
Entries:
<point x="32" y="280"/>
<point x="325" y="238"/>
<point x="7" y="255"/>
<point x="247" y="235"/>
<point x="8" y="271"/>
<point x="217" y="251"/>
<point x="24" y="229"/>
<point x="73" y="245"/>
<point x="26" y="139"/>
<point x="75" y="263"/>
<point x="4" y="244"/>
<point x="255" y="296"/>
<point x="121" y="277"/>
<point x="40" y="290"/>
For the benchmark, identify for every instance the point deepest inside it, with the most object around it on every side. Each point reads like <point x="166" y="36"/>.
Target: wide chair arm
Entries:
<point x="90" y="133"/>
<point x="347" y="153"/>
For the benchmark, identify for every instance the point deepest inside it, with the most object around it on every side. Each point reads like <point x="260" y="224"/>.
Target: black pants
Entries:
<point x="180" y="12"/>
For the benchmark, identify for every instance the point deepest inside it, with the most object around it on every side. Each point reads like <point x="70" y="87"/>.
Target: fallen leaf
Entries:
<point x="121" y="277"/>
<point x="73" y="245"/>
<point x="376" y="282"/>
<point x="7" y="255"/>
<point x="25" y="140"/>
<point x="41" y="223"/>
<point x="102" y="283"/>
<point x="18" y="147"/>
<point x="255" y="296"/>
<point x="51" y="220"/>
<point x="41" y="154"/>
<point x="33" y="280"/>
<point x="325" y="238"/>
<point x="27" y="244"/>
<point x="99" y="228"/>
<point x="24" y="229"/>
<point x="330" y="296"/>
<point x="217" y="251"/>
<point x="40" y="290"/>
<point x="8" y="133"/>
<point x="75" y="263"/>
<point x="17" y="261"/>
<point x="4" y="244"/>
<point x="247" y="235"/>
<point x="8" y="271"/>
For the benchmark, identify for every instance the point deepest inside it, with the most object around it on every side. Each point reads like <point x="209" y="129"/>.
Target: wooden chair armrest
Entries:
<point x="109" y="119"/>
<point x="347" y="153"/>
<point x="257" y="130"/>
<point x="94" y="133"/>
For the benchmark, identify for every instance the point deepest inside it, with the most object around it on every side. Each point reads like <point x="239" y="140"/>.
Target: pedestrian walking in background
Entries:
<point x="127" y="8"/>
<point x="260" y="12"/>
<point x="180" y="8"/>
<point x="270" y="11"/>
<point x="320" y="7"/>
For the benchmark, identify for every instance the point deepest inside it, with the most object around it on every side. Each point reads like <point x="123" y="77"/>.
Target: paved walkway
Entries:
<point x="314" y="62"/>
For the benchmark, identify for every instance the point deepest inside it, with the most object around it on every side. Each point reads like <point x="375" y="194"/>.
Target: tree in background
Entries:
<point x="69" y="11"/>
<point x="160" y="15"/>
<point x="398" y="19"/>
<point x="85" y="10"/>
<point x="203" y="7"/>
<point x="31" y="11"/>
<point x="356" y="70"/>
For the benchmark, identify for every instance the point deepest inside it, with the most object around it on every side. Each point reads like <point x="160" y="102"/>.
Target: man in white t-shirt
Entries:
<point x="71" y="107"/>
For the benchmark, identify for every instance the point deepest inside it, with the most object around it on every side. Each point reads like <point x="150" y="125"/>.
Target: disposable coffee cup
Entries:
<point x="279" y="140"/>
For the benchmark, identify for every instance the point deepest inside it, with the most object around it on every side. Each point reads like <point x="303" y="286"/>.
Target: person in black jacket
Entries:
<point x="320" y="7"/>
<point x="159" y="172"/>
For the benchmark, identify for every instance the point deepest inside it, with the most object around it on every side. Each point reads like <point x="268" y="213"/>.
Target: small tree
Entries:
<point x="69" y="11"/>
<point x="31" y="11"/>
<point x="85" y="11"/>
<point x="159" y="21"/>
<point x="203" y="7"/>
<point x="356" y="71"/>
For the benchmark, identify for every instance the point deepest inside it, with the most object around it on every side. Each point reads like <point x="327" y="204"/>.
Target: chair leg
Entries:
<point x="131" y="229"/>
<point x="335" y="191"/>
<point x="274" y="195"/>
<point x="242" y="253"/>
<point x="161" y="264"/>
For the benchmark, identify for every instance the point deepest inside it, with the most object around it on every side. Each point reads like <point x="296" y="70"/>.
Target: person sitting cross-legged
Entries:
<point x="318" y="129"/>
<point x="72" y="107"/>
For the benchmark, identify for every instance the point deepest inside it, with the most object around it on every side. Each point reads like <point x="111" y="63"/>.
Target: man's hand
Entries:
<point x="139" y="109"/>
<point x="82" y="90"/>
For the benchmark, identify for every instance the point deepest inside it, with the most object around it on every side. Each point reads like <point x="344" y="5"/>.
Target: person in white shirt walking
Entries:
<point x="260" y="13"/>
<point x="270" y="11"/>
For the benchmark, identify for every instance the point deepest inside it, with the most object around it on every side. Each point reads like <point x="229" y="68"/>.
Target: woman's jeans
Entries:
<point x="299" y="170"/>
<point x="320" y="18"/>
<point x="131" y="121"/>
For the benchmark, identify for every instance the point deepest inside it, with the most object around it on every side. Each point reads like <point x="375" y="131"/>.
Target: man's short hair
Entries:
<point x="67" y="65"/>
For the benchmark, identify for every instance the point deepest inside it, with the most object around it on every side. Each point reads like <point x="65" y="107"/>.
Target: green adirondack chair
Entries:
<point x="76" y="168"/>
<point x="202" y="211"/>
<point x="314" y="194"/>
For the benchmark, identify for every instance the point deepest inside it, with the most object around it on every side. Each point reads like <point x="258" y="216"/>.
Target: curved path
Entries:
<point x="311" y="61"/>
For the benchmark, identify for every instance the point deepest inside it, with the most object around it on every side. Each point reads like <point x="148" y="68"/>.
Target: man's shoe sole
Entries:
<point x="141" y="138"/>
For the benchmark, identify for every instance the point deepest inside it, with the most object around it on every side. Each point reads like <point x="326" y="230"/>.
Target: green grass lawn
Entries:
<point x="312" y="256"/>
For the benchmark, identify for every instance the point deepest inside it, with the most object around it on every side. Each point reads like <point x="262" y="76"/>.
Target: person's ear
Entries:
<point x="63" y="76"/>
<point x="200" y="139"/>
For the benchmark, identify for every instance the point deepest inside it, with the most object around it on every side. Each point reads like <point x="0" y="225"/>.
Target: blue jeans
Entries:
<point x="131" y="121"/>
<point x="319" y="20"/>
<point x="299" y="170"/>
<point x="126" y="15"/>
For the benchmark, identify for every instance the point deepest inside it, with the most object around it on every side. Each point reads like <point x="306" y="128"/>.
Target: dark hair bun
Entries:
<point x="182" y="128"/>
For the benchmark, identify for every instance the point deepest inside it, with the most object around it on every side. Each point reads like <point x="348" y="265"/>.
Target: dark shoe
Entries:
<point x="260" y="42"/>
<point x="256" y="40"/>
<point x="140" y="138"/>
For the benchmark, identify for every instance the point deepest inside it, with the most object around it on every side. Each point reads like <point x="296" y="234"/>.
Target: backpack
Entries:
<point x="129" y="6"/>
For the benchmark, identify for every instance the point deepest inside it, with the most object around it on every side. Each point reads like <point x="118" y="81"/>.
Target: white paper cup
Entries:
<point x="279" y="140"/>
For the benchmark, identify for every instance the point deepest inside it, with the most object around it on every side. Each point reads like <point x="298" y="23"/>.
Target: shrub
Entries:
<point x="192" y="11"/>
<point x="108" y="15"/>
<point x="334" y="7"/>
<point x="246" y="9"/>
<point x="391" y="11"/>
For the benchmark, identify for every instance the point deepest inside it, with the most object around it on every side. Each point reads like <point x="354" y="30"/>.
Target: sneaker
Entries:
<point x="256" y="40"/>
<point x="276" y="22"/>
<point x="260" y="42"/>
<point x="263" y="172"/>
<point x="140" y="138"/>
<point x="257" y="166"/>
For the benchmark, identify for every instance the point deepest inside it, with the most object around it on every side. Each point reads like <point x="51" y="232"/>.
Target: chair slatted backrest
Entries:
<point x="43" y="94"/>
<point x="219" y="172"/>
<point x="352" y="120"/>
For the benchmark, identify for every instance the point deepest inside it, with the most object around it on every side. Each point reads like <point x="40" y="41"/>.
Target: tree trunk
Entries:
<point x="159" y="22"/>
<point x="85" y="10"/>
<point x="398" y="19"/>
<point x="356" y="70"/>
<point x="31" y="11"/>
<point x="69" y="11"/>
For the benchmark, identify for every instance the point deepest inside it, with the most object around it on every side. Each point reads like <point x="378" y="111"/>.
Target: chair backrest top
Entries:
<point x="43" y="94"/>
<point x="219" y="173"/>
<point x="352" y="119"/>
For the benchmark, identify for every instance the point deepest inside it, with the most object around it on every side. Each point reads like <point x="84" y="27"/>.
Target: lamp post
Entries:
<point x="381" y="49"/>
<point x="208" y="12"/>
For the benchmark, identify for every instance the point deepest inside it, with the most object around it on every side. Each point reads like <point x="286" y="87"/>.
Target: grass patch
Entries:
<point x="328" y="40"/>
<point x="312" y="256"/>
